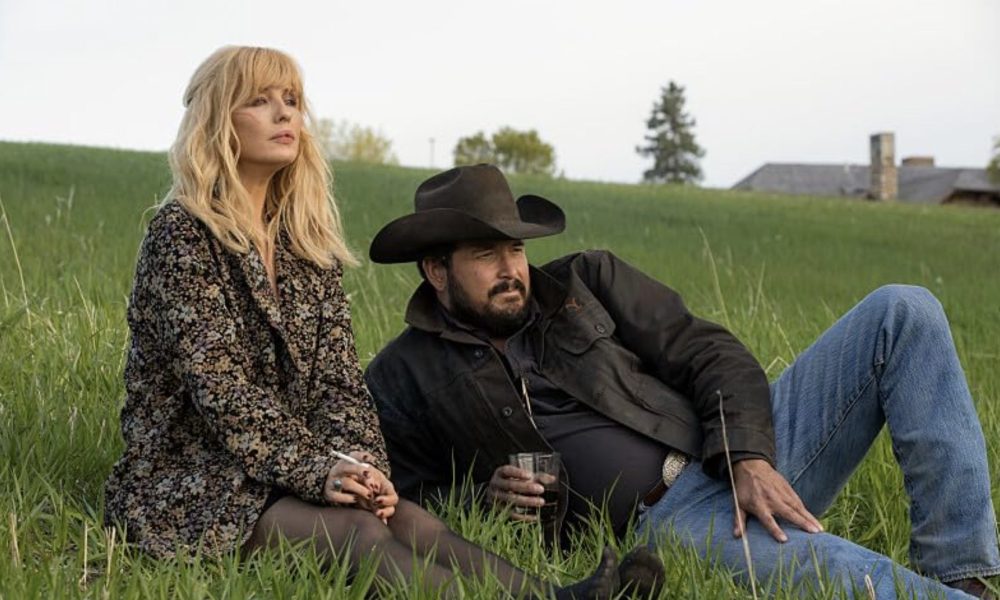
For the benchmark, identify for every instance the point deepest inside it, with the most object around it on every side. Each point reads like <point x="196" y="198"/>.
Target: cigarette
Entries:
<point x="350" y="459"/>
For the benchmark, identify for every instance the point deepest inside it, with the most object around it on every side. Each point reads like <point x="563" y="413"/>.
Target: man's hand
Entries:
<point x="515" y="487"/>
<point x="764" y="493"/>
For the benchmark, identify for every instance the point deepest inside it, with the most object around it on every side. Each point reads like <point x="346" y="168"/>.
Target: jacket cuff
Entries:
<point x="744" y="443"/>
<point x="314" y="473"/>
<point x="717" y="468"/>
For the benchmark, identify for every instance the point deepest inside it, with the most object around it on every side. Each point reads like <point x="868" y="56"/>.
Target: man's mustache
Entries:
<point x="507" y="285"/>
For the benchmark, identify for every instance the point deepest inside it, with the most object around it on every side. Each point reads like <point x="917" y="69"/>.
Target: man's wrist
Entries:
<point x="718" y="468"/>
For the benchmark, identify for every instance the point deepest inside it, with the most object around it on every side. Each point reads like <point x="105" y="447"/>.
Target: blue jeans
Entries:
<point x="889" y="361"/>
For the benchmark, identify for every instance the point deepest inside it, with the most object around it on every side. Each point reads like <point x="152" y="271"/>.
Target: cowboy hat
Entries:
<point x="464" y="204"/>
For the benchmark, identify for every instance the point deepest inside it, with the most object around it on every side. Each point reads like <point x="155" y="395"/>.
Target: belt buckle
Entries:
<point x="673" y="464"/>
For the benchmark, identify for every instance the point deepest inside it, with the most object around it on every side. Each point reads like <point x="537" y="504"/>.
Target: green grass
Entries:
<point x="776" y="270"/>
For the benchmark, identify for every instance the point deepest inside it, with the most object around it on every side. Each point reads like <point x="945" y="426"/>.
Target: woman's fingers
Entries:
<point x="347" y="483"/>
<point x="361" y="485"/>
<point x="346" y="490"/>
<point x="362" y="455"/>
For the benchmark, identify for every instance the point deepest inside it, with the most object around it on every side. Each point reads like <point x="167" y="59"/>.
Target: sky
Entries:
<point x="766" y="80"/>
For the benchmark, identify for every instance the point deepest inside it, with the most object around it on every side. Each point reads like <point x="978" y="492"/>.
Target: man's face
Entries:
<point x="487" y="286"/>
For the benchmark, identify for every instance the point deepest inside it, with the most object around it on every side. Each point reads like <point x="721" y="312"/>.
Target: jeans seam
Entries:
<point x="967" y="573"/>
<point x="840" y="421"/>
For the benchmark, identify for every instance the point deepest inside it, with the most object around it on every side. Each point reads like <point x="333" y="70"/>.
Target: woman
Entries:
<point x="242" y="379"/>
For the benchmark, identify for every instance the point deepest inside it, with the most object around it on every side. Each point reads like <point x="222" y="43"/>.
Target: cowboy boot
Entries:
<point x="602" y="585"/>
<point x="973" y="586"/>
<point x="641" y="573"/>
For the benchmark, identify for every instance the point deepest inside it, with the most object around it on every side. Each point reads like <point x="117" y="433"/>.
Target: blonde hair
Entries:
<point x="203" y="161"/>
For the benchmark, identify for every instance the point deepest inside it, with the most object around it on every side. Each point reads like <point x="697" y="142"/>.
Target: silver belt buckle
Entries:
<point x="673" y="464"/>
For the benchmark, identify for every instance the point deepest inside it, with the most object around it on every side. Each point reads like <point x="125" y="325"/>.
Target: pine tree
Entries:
<point x="670" y="140"/>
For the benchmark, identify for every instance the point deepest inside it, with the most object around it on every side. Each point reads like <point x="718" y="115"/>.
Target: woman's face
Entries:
<point x="268" y="127"/>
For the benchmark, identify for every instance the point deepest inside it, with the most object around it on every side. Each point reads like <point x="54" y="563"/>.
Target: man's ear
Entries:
<point x="436" y="272"/>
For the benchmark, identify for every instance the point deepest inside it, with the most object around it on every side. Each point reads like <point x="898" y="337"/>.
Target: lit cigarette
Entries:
<point x="350" y="459"/>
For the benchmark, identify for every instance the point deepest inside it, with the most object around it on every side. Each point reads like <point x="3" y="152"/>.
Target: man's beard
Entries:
<point x="498" y="324"/>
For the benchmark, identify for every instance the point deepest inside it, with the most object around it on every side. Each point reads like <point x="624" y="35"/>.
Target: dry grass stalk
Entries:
<point x="17" y="260"/>
<point x="111" y="555"/>
<point x="13" y="541"/>
<point x="870" y="587"/>
<point x="736" y="501"/>
<point x="82" y="583"/>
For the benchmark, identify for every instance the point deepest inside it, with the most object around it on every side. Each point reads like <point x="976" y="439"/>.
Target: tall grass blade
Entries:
<point x="736" y="502"/>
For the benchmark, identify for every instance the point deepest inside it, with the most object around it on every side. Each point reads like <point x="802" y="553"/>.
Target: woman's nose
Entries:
<point x="283" y="112"/>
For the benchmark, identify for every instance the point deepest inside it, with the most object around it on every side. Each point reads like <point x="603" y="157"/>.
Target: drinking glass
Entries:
<point x="544" y="469"/>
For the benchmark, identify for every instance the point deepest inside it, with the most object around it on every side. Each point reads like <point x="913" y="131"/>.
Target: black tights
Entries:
<point x="411" y="535"/>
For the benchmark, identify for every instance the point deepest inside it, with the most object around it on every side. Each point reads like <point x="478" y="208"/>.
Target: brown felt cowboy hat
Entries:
<point x="464" y="204"/>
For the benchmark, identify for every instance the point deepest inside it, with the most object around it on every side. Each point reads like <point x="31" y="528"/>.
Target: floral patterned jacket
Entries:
<point x="230" y="392"/>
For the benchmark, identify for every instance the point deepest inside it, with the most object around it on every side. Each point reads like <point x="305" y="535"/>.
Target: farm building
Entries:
<point x="916" y="180"/>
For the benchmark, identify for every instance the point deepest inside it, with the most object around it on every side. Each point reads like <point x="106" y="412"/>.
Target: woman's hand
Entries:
<point x="386" y="498"/>
<point x="347" y="485"/>
<point x="362" y="486"/>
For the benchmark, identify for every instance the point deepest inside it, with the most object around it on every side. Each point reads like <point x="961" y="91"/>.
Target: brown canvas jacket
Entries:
<point x="230" y="393"/>
<point x="612" y="337"/>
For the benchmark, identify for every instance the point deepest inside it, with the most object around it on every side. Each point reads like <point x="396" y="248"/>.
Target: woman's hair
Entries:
<point x="203" y="160"/>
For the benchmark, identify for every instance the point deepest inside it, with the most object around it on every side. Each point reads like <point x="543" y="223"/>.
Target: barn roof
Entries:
<point x="917" y="184"/>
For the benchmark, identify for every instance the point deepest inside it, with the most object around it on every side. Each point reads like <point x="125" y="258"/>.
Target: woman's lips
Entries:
<point x="284" y="138"/>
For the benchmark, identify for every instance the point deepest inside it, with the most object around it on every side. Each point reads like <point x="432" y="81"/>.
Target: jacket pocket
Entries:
<point x="590" y="362"/>
<point x="576" y="337"/>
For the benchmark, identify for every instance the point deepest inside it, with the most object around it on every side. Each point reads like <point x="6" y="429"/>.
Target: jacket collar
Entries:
<point x="424" y="312"/>
<point x="294" y="285"/>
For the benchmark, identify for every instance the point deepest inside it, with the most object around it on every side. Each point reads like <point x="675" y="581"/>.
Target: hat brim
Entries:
<point x="409" y="237"/>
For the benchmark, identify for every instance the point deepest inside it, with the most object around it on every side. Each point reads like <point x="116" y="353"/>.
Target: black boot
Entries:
<point x="641" y="573"/>
<point x="602" y="585"/>
<point x="973" y="586"/>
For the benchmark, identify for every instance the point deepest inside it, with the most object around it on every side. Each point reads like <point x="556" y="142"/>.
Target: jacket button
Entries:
<point x="600" y="328"/>
<point x="478" y="353"/>
<point x="507" y="411"/>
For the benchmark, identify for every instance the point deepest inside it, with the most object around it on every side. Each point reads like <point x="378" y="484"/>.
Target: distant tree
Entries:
<point x="993" y="169"/>
<point x="350" y="142"/>
<point x="474" y="149"/>
<point x="670" y="140"/>
<point x="524" y="152"/>
<point x="512" y="150"/>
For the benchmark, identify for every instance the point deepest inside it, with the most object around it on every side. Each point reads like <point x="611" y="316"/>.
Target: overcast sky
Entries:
<point x="767" y="80"/>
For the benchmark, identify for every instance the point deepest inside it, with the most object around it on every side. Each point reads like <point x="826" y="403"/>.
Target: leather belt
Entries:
<point x="673" y="464"/>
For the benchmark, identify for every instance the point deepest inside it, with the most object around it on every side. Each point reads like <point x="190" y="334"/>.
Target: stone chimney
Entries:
<point x="884" y="180"/>
<point x="918" y="161"/>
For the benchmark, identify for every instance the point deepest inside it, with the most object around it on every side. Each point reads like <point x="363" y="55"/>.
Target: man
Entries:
<point x="587" y="356"/>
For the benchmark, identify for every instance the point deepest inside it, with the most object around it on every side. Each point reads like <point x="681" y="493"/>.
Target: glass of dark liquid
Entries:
<point x="544" y="469"/>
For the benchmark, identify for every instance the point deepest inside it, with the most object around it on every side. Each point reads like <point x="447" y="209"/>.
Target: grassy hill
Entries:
<point x="776" y="270"/>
